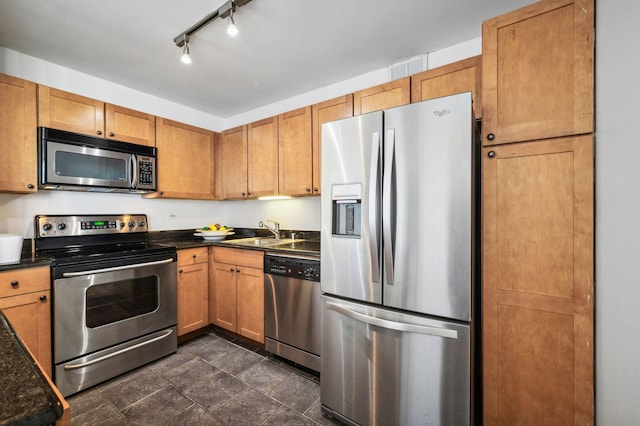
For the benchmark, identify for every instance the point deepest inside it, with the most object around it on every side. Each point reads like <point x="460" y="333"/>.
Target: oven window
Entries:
<point x="84" y="166"/>
<point x="119" y="300"/>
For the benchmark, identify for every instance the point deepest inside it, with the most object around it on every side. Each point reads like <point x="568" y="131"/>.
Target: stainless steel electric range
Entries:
<point x="114" y="296"/>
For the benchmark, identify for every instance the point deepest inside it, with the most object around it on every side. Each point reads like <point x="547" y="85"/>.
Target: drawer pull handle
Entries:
<point x="43" y="298"/>
<point x="15" y="284"/>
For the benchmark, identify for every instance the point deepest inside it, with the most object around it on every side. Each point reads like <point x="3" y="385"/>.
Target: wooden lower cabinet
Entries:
<point x="538" y="272"/>
<point x="25" y="300"/>
<point x="236" y="293"/>
<point x="193" y="289"/>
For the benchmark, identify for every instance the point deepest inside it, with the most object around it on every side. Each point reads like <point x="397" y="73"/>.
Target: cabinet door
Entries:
<point x="262" y="174"/>
<point x="185" y="161"/>
<point x="537" y="298"/>
<point x="233" y="159"/>
<point x="251" y="303"/>
<point x="324" y="112"/>
<point x="70" y="112"/>
<point x="295" y="152"/>
<point x="387" y="95"/>
<point x="222" y="300"/>
<point x="18" y="163"/>
<point x="127" y="125"/>
<point x="537" y="72"/>
<point x="458" y="77"/>
<point x="30" y="316"/>
<point x="193" y="297"/>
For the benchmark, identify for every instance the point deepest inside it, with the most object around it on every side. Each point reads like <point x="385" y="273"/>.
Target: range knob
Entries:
<point x="62" y="226"/>
<point x="122" y="224"/>
<point x="47" y="226"/>
<point x="131" y="224"/>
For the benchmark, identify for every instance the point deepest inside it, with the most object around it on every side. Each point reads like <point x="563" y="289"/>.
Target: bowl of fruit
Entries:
<point x="214" y="232"/>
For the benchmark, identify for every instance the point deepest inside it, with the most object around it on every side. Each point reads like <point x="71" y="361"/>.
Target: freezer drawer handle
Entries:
<point x="393" y="325"/>
<point x="115" y="268"/>
<point x="120" y="352"/>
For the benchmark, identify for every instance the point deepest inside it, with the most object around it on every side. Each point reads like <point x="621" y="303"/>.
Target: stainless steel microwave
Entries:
<point x="77" y="162"/>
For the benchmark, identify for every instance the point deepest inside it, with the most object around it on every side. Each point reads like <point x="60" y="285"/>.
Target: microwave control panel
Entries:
<point x="146" y="173"/>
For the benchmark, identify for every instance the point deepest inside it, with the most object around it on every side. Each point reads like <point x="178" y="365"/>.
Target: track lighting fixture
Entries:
<point x="224" y="11"/>
<point x="186" y="59"/>
<point x="232" y="30"/>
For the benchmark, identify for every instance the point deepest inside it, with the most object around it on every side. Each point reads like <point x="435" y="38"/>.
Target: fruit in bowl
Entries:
<point x="214" y="229"/>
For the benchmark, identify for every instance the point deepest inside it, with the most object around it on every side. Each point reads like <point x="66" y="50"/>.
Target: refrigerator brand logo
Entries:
<point x="442" y="112"/>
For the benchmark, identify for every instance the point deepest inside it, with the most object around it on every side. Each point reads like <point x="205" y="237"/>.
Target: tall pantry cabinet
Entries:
<point x="538" y="215"/>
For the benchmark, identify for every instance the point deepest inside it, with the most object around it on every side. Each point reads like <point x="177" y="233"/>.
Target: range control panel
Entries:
<point x="304" y="268"/>
<point x="72" y="226"/>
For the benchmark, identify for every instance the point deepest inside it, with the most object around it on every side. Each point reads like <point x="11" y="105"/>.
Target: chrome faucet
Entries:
<point x="275" y="230"/>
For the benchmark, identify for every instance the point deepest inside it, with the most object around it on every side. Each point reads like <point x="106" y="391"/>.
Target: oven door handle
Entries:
<point x="120" y="352"/>
<point x="116" y="268"/>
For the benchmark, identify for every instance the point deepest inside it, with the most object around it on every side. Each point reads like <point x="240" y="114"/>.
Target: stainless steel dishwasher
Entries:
<point x="292" y="307"/>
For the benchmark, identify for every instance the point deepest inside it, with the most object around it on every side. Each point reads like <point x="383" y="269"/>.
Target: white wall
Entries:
<point x="17" y="211"/>
<point x="617" y="281"/>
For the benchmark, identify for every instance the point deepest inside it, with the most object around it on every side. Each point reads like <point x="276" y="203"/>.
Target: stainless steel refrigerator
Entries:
<point x="398" y="259"/>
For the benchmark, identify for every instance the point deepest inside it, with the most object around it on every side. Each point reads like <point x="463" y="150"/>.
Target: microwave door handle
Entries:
<point x="134" y="171"/>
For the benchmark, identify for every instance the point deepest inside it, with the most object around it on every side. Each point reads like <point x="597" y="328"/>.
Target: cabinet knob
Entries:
<point x="244" y="194"/>
<point x="307" y="189"/>
<point x="179" y="271"/>
<point x="194" y="256"/>
<point x="99" y="132"/>
<point x="30" y="186"/>
<point x="491" y="154"/>
<point x="15" y="284"/>
<point x="43" y="298"/>
<point x="315" y="189"/>
<point x="491" y="136"/>
<point x="237" y="270"/>
<point x="248" y="194"/>
<point x="231" y="269"/>
<point x="111" y="134"/>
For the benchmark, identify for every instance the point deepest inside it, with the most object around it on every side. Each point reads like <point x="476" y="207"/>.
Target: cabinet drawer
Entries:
<point x="249" y="258"/>
<point x="21" y="281"/>
<point x="192" y="256"/>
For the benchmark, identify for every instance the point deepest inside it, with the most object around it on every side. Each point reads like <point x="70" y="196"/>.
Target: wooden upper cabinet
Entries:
<point x="387" y="95"/>
<point x="67" y="111"/>
<point x="74" y="113"/>
<point x="233" y="163"/>
<point x="537" y="72"/>
<point x="18" y="162"/>
<point x="324" y="112"/>
<point x="537" y="281"/>
<point x="127" y="125"/>
<point x="295" y="152"/>
<point x="262" y="157"/>
<point x="458" y="77"/>
<point x="185" y="161"/>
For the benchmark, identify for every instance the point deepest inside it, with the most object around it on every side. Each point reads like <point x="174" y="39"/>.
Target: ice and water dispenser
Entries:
<point x="347" y="202"/>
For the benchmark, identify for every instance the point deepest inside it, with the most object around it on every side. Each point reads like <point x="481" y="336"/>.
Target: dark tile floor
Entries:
<point x="214" y="379"/>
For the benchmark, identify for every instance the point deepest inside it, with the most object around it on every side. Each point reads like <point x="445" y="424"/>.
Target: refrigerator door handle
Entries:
<point x="387" y="196"/>
<point x="373" y="206"/>
<point x="392" y="325"/>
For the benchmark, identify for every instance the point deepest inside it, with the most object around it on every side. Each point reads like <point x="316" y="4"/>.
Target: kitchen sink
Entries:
<point x="259" y="241"/>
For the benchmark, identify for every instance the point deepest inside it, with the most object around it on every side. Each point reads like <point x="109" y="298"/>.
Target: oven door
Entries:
<point x="67" y="164"/>
<point x="100" y="308"/>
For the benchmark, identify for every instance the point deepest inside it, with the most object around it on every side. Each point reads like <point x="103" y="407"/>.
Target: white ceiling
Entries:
<point x="285" y="47"/>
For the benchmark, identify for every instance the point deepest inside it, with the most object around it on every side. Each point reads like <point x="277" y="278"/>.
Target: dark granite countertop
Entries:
<point x="184" y="239"/>
<point x="27" y="260"/>
<point x="25" y="395"/>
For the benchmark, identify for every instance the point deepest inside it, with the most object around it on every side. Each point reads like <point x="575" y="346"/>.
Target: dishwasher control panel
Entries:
<point x="304" y="268"/>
